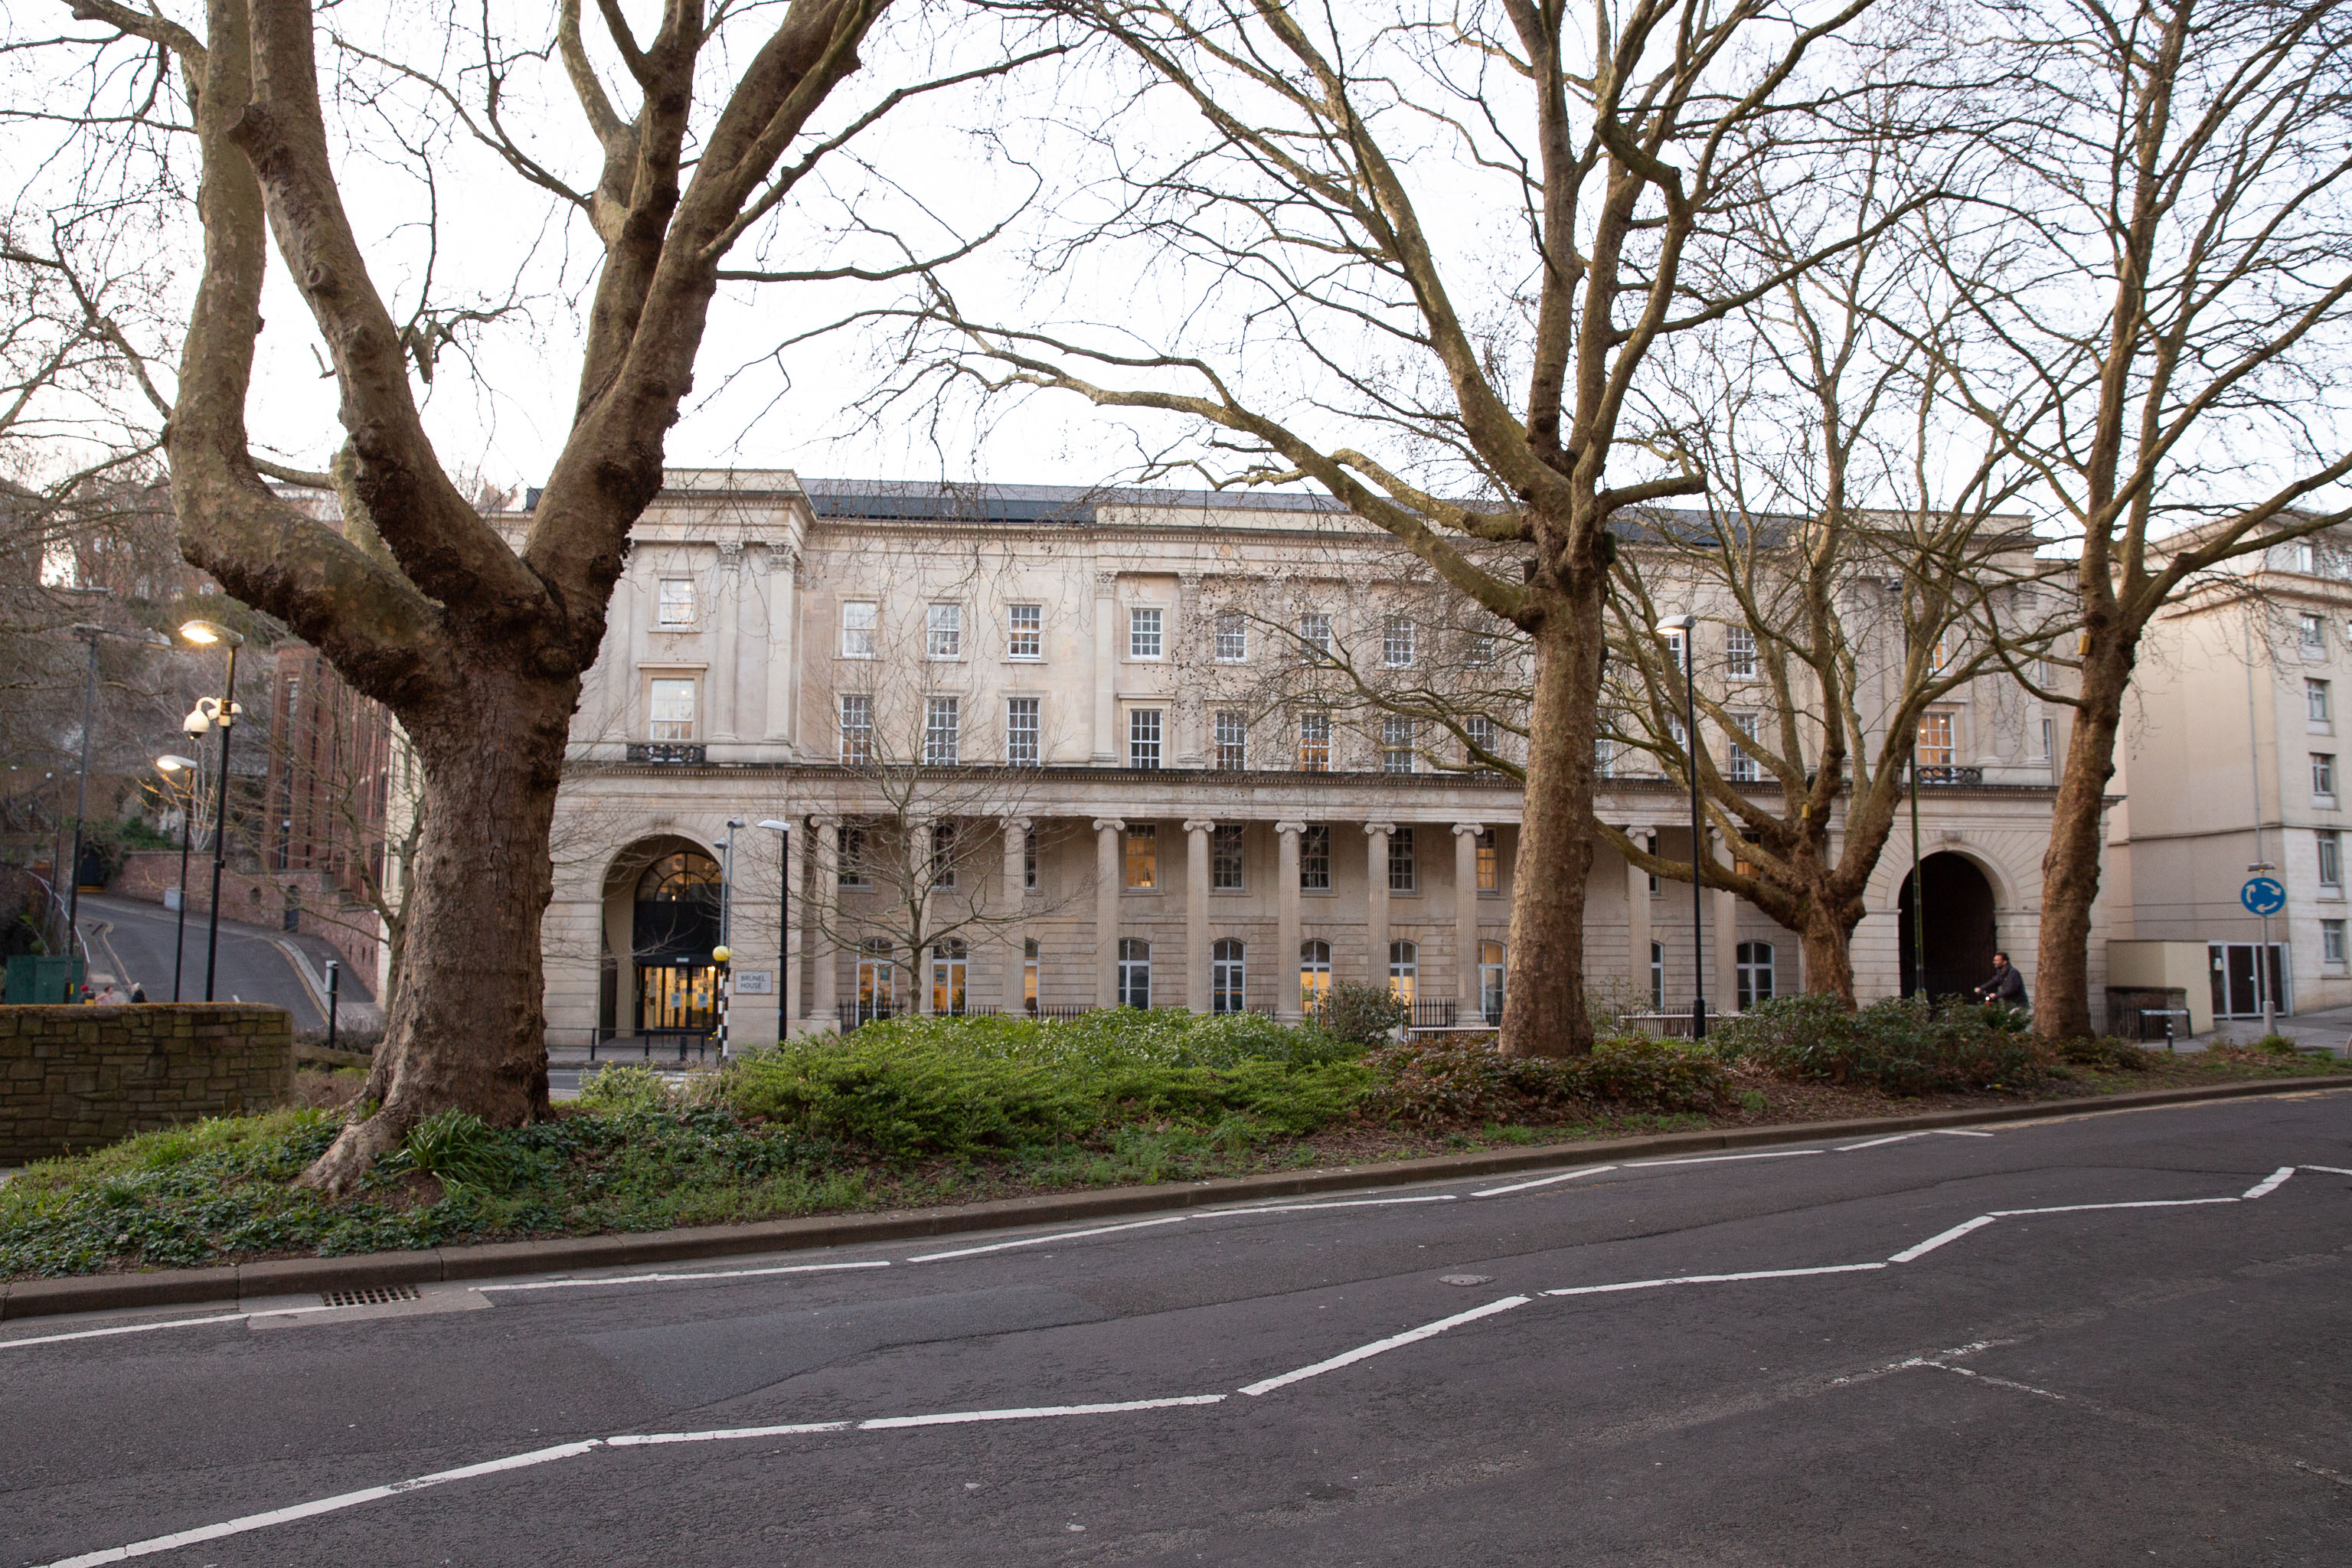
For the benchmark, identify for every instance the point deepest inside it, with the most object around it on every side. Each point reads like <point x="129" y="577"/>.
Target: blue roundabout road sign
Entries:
<point x="2262" y="895"/>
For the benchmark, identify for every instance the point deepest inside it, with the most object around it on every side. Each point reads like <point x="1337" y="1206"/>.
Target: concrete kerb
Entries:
<point x="300" y="1275"/>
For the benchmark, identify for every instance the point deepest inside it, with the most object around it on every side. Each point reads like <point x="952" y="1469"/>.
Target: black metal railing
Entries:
<point x="1951" y="775"/>
<point x="676" y="751"/>
<point x="1061" y="1012"/>
<point x="852" y="1014"/>
<point x="1666" y="1026"/>
<point x="647" y="1045"/>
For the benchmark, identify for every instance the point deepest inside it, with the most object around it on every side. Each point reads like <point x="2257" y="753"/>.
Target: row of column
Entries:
<point x="1289" y="914"/>
<point x="1722" y="907"/>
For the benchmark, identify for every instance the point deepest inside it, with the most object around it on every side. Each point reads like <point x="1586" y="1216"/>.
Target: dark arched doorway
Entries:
<point x="1961" y="931"/>
<point x="677" y="925"/>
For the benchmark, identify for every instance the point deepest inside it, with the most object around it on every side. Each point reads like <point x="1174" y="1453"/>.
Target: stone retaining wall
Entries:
<point x="73" y="1078"/>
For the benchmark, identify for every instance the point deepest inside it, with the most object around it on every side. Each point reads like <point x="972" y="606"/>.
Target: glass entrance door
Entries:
<point x="2236" y="990"/>
<point x="671" y="997"/>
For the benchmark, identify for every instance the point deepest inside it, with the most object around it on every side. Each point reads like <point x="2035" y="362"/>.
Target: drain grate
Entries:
<point x="371" y="1296"/>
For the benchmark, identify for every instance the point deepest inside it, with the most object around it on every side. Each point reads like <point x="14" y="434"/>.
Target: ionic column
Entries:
<point x="1196" y="914"/>
<point x="1637" y="919"/>
<point x="1010" y="893"/>
<point x="823" y="896"/>
<point x="1107" y="882"/>
<point x="1465" y="914"/>
<point x="1376" y="903"/>
<point x="727" y="592"/>
<point x="789" y="962"/>
<point x="918" y="883"/>
<point x="1723" y="991"/>
<point x="1287" y="934"/>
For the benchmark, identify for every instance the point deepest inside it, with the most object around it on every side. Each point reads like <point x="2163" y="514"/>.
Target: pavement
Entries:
<point x="132" y="941"/>
<point x="2330" y="1029"/>
<point x="2110" y="1338"/>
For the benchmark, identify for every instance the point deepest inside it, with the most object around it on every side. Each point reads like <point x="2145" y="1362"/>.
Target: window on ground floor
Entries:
<point x="1755" y="974"/>
<point x="1228" y="977"/>
<point x="1404" y="971"/>
<point x="1134" y="972"/>
<point x="1314" y="973"/>
<point x="1490" y="981"/>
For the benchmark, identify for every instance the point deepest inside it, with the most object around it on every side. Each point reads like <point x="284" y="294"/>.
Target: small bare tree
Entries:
<point x="1375" y="342"/>
<point x="2182" y="163"/>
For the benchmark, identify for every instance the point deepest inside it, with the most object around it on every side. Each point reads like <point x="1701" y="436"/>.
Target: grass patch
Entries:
<point x="923" y="1112"/>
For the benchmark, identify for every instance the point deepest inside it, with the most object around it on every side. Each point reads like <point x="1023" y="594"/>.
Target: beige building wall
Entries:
<point x="738" y="593"/>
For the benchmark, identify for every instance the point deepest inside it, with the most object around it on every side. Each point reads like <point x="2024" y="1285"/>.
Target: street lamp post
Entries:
<point x="173" y="765"/>
<point x="783" y="926"/>
<point x="1684" y="630"/>
<point x="223" y="712"/>
<point x="724" y="951"/>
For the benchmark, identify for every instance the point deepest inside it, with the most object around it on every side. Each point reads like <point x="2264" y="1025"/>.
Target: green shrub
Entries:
<point x="1457" y="1082"/>
<point x="1900" y="1044"/>
<point x="2115" y="1054"/>
<point x="920" y="1088"/>
<point x="619" y="1088"/>
<point x="458" y="1147"/>
<point x="1362" y="1015"/>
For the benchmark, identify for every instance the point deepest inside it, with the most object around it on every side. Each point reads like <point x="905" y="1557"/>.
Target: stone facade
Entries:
<point x="73" y="1078"/>
<point x="1116" y="676"/>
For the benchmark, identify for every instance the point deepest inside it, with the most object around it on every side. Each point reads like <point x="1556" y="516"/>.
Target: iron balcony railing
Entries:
<point x="672" y="751"/>
<point x="1951" y="775"/>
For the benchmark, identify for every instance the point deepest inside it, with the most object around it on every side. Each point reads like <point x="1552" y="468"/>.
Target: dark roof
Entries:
<point x="1076" y="505"/>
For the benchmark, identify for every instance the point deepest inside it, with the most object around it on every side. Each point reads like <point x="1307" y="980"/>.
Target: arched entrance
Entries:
<point x="661" y="922"/>
<point x="1962" y="930"/>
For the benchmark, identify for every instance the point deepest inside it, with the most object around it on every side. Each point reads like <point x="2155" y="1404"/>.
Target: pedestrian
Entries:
<point x="2006" y="988"/>
<point x="137" y="991"/>
<point x="106" y="997"/>
<point x="89" y="997"/>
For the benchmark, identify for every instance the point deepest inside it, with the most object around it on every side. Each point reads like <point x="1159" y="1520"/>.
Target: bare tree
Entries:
<point x="1458" y="373"/>
<point x="2183" y="164"/>
<point x="476" y="646"/>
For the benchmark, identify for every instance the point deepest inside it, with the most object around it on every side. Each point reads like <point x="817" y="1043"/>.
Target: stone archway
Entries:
<point x="1962" y="926"/>
<point x="660" y="921"/>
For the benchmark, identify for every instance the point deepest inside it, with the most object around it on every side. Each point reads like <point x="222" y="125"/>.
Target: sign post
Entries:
<point x="2265" y="896"/>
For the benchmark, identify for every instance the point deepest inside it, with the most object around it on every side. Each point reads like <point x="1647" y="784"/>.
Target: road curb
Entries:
<point x="305" y="1276"/>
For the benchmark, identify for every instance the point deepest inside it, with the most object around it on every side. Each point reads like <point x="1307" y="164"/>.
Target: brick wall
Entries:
<point x="72" y="1079"/>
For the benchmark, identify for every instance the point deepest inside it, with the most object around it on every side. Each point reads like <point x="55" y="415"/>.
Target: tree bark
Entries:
<point x="1546" y="1014"/>
<point x="1828" y="942"/>
<point x="2070" y="868"/>
<point x="492" y="760"/>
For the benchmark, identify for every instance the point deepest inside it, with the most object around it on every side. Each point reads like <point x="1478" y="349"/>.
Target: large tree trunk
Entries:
<point x="1544" y="1013"/>
<point x="465" y="1027"/>
<point x="1828" y="941"/>
<point x="2069" y="869"/>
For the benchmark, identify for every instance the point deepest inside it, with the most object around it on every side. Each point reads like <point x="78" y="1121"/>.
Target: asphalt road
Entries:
<point x="135" y="944"/>
<point x="2166" y="1382"/>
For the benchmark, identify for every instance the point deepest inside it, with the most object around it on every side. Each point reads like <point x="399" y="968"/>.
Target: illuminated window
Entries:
<point x="1404" y="971"/>
<point x="1490" y="864"/>
<point x="1143" y="856"/>
<point x="1314" y="974"/>
<point x="950" y="961"/>
<point x="1314" y="742"/>
<point x="1935" y="738"/>
<point x="1024" y="635"/>
<point x="677" y="603"/>
<point x="1029" y="976"/>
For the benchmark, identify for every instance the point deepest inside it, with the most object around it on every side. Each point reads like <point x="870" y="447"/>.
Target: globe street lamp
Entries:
<point x="220" y="711"/>
<point x="173" y="766"/>
<point x="1683" y="630"/>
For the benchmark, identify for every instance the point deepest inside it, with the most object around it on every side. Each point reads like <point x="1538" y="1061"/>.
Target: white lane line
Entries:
<point x="1041" y="1240"/>
<point x="2142" y="1203"/>
<point x="2331" y="1169"/>
<point x="253" y="1521"/>
<point x="1541" y="1182"/>
<point x="2271" y="1183"/>
<point x="1933" y="1242"/>
<point x="1961" y="1132"/>
<point x="1712" y="1278"/>
<point x="1717" y="1159"/>
<point x="1874" y="1143"/>
<point x="668" y="1278"/>
<point x="1348" y="1204"/>
<point x="166" y="1323"/>
<point x="1393" y="1342"/>
<point x="1039" y="1412"/>
<point x="727" y="1433"/>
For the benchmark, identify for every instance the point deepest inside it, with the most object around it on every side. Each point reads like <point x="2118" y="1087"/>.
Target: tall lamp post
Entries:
<point x="724" y="951"/>
<point x="1684" y="630"/>
<point x="221" y="712"/>
<point x="783" y="926"/>
<point x="173" y="766"/>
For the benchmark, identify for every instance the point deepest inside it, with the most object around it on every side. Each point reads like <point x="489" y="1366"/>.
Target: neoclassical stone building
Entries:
<point x="1130" y="796"/>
